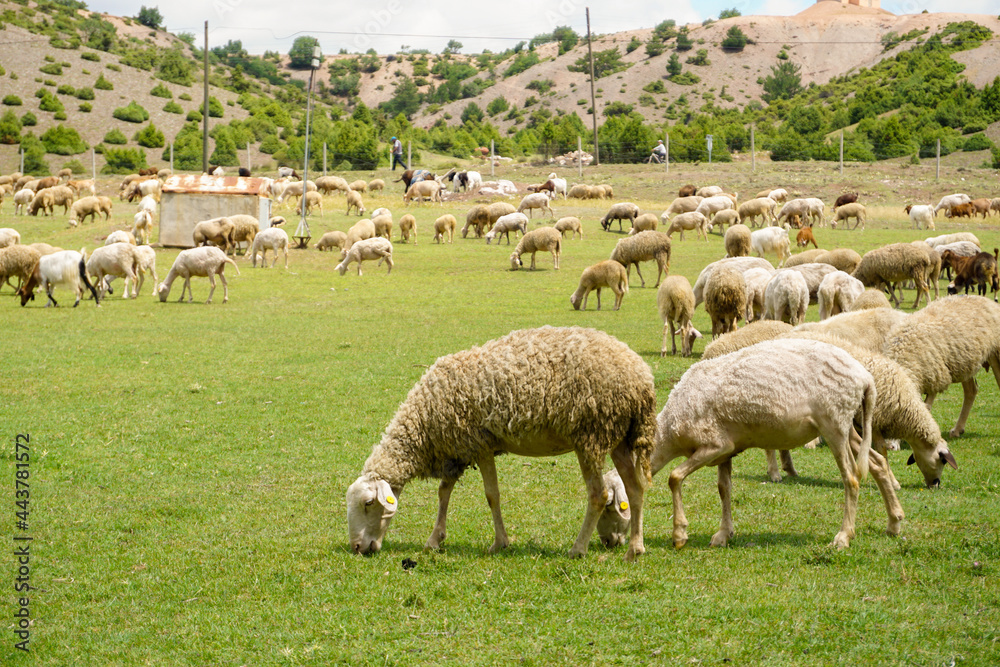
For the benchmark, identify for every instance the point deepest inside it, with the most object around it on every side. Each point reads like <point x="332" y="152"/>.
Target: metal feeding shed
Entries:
<point x="186" y="200"/>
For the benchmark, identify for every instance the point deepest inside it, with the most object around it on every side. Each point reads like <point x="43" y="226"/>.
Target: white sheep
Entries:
<point x="423" y="189"/>
<point x="330" y="240"/>
<point x="709" y="191"/>
<point x="761" y="206"/>
<point x="407" y="228"/>
<point x="647" y="222"/>
<point x="9" y="236"/>
<point x="17" y="261"/>
<point x="608" y="274"/>
<point x="359" y="231"/>
<point x="116" y="259"/>
<point x="756" y="281"/>
<point x="89" y="206"/>
<point x="505" y="224"/>
<point x="141" y="223"/>
<point x="472" y="405"/>
<point x="354" y="201"/>
<point x="694" y="220"/>
<point x="751" y="334"/>
<point x="66" y="267"/>
<point x="675" y="301"/>
<point x="644" y="247"/>
<point x="378" y="247"/>
<point x="329" y="184"/>
<point x="205" y="262"/>
<point x="771" y="240"/>
<point x="848" y="211"/>
<point x="894" y="263"/>
<point x="837" y="293"/>
<point x="445" y="225"/>
<point x="813" y="272"/>
<point x="559" y="185"/>
<point x="245" y="229"/>
<point x="724" y="217"/>
<point x="805" y="208"/>
<point x="741" y="264"/>
<point x="871" y="298"/>
<point x="921" y="215"/>
<point x="22" y="198"/>
<point x="780" y="393"/>
<point x="119" y="236"/>
<point x="535" y="200"/>
<point x="737" y="241"/>
<point x="868" y="329"/>
<point x="949" y="201"/>
<point x="542" y="239"/>
<point x="217" y="231"/>
<point x="383" y="226"/>
<point x="314" y="201"/>
<point x="681" y="205"/>
<point x="712" y="205"/>
<point x="725" y="299"/>
<point x="945" y="239"/>
<point x="625" y="210"/>
<point x="570" y="224"/>
<point x="786" y="297"/>
<point x="272" y="238"/>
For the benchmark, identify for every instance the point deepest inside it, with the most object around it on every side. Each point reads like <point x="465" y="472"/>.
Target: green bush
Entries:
<point x="123" y="160"/>
<point x="150" y="137"/>
<point x="115" y="136"/>
<point x="10" y="128"/>
<point x="173" y="107"/>
<point x="159" y="90"/>
<point x="521" y="62"/>
<point x="55" y="69"/>
<point x="75" y="166"/>
<point x="133" y="113"/>
<point x="541" y="85"/>
<point x="215" y="109"/>
<point x="977" y="142"/>
<point x="735" y="39"/>
<point x="34" y="155"/>
<point x="184" y="96"/>
<point x="634" y="44"/>
<point x="85" y="93"/>
<point x="497" y="105"/>
<point x="66" y="89"/>
<point x="271" y="144"/>
<point x="102" y="83"/>
<point x="29" y="119"/>
<point x="90" y="55"/>
<point x="85" y="107"/>
<point x="63" y="140"/>
<point x="194" y="115"/>
<point x="51" y="103"/>
<point x="12" y="100"/>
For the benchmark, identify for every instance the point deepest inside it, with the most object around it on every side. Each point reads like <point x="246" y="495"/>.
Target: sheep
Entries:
<point x="786" y="297"/>
<point x="613" y="526"/>
<point x="979" y="270"/>
<point x="810" y="207"/>
<point x="374" y="185"/>
<point x="87" y="206"/>
<point x="146" y="264"/>
<point x="9" y="237"/>
<point x="44" y="248"/>
<point x="354" y="201"/>
<point x="957" y="249"/>
<point x="947" y="342"/>
<point x="66" y="267"/>
<point x="472" y="405"/>
<point x="814" y="273"/>
<point x="737" y="241"/>
<point x="141" y="223"/>
<point x="116" y="259"/>
<point x="473" y="180"/>
<point x="751" y="334"/>
<point x="377" y="247"/>
<point x="359" y="231"/>
<point x="837" y="293"/>
<point x="725" y="217"/>
<point x="756" y="282"/>
<point x="644" y="223"/>
<point x="725" y="405"/>
<point x="86" y="186"/>
<point x="946" y="239"/>
<point x="288" y="172"/>
<point x="620" y="211"/>
<point x="869" y="329"/>
<point x="695" y="220"/>
<point x="22" y="198"/>
<point x="848" y="211"/>
<point x="845" y="198"/>
<point x="948" y="202"/>
<point x="770" y="240"/>
<point x="477" y="218"/>
<point x="581" y="191"/>
<point x="245" y="229"/>
<point x="330" y="184"/>
<point x="206" y="262"/>
<point x="381" y="211"/>
<point x="687" y="190"/>
<point x="806" y="257"/>
<point x="499" y="209"/>
<point x="712" y="205"/>
<point x="42" y="201"/>
<point x="313" y="201"/>
<point x="709" y="191"/>
<point x="544" y="239"/>
<point x="17" y="261"/>
<point x="119" y="236"/>
<point x="62" y="195"/>
<point x="383" y="226"/>
<point x="934" y="265"/>
<point x="408" y="228"/>
<point x="512" y="222"/>
<point x="921" y="215"/>
<point x="603" y="191"/>
<point x="644" y="247"/>
<point x="805" y="237"/>
<point x="681" y="205"/>
<point x="842" y="259"/>
<point x="217" y="231"/>
<point x="571" y="225"/>
<point x="421" y="189"/>
<point x="725" y="299"/>
<point x="675" y="302"/>
<point x="359" y="186"/>
<point x="870" y="298"/>
<point x="893" y="263"/>
<point x="272" y="238"/>
<point x="331" y="240"/>
<point x="741" y="264"/>
<point x="995" y="205"/>
<point x="608" y="274"/>
<point x="295" y="190"/>
<point x="138" y="189"/>
<point x="445" y="225"/>
<point x="961" y="211"/>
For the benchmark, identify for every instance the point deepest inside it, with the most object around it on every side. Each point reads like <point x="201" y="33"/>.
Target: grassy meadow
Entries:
<point x="189" y="464"/>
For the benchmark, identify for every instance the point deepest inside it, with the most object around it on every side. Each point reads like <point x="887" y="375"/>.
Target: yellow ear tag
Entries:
<point x="390" y="500"/>
<point x="623" y="505"/>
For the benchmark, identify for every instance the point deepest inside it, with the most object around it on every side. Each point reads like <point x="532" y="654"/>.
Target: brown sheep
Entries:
<point x="961" y="211"/>
<point x="980" y="206"/>
<point x="846" y="198"/>
<point x="980" y="270"/>
<point x="687" y="191"/>
<point x="805" y="237"/>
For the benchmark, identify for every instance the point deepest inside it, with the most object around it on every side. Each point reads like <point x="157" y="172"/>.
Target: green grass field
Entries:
<point x="189" y="464"/>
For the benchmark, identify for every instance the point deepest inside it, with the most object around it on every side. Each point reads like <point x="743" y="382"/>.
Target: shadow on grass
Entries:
<point x="742" y="540"/>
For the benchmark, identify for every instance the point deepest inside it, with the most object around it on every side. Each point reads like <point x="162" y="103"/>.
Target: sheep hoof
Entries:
<point x="576" y="553"/>
<point x="720" y="539"/>
<point x="841" y="541"/>
<point x="498" y="546"/>
<point x="680" y="540"/>
<point x="632" y="554"/>
<point x="955" y="432"/>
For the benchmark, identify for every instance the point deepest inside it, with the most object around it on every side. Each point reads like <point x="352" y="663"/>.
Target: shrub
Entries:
<point x="194" y="115"/>
<point x="605" y="62"/>
<point x="654" y="47"/>
<point x="113" y="67"/>
<point x="173" y="107"/>
<point x="150" y="137"/>
<point x="133" y="113"/>
<point x="55" y="69"/>
<point x="541" y="85"/>
<point x="51" y="103"/>
<point x="29" y="119"/>
<point x="12" y="100"/>
<point x="115" y="136"/>
<point x="497" y="105"/>
<point x="123" y="160"/>
<point x="10" y="128"/>
<point x="85" y="107"/>
<point x="75" y="166"/>
<point x="149" y="17"/>
<point x="159" y="90"/>
<point x="184" y="96"/>
<point x="633" y="44"/>
<point x="735" y="39"/>
<point x="85" y="93"/>
<point x="34" y="155"/>
<point x="102" y="83"/>
<point x="521" y="62"/>
<point x="66" y="89"/>
<point x="175" y="68"/>
<point x="271" y="144"/>
<point x="215" y="109"/>
<point x="977" y="142"/>
<point x="301" y="53"/>
<point x="90" y="55"/>
<point x="63" y="140"/>
<point x="700" y="58"/>
<point x="655" y="87"/>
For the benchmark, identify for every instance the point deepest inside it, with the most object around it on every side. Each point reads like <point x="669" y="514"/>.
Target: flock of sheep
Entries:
<point x="862" y="378"/>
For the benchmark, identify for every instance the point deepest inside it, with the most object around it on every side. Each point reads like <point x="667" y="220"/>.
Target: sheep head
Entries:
<point x="932" y="463"/>
<point x="371" y="504"/>
<point x="613" y="525"/>
<point x="515" y="261"/>
<point x="163" y="291"/>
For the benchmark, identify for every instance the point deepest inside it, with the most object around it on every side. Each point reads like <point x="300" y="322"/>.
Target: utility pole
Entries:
<point x="593" y="99"/>
<point x="204" y="131"/>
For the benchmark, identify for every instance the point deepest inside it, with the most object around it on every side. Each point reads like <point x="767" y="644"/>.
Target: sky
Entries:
<point x="389" y="25"/>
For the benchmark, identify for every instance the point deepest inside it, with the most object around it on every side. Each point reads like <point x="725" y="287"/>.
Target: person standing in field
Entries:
<point x="397" y="154"/>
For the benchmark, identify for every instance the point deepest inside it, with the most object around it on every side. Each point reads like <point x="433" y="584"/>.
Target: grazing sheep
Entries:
<point x="477" y="218"/>
<point x="709" y="191"/>
<point x="947" y="342"/>
<point x="147" y="264"/>
<point x="383" y="226"/>
<point x="995" y="205"/>
<point x="725" y="217"/>
<point x="694" y="220"/>
<point x="313" y="201"/>
<point x="536" y="200"/>
<point x="894" y="263"/>
<point x="500" y="209"/>
<point x="17" y="261"/>
<point x="687" y="191"/>
<point x="806" y="257"/>
<point x="423" y="189"/>
<point x="675" y="301"/>
<point x="245" y="228"/>
<point x="42" y="201"/>
<point x="62" y="195"/>
<point x="806" y="208"/>
<point x="217" y="231"/>
<point x="472" y="405"/>
<point x="22" y="198"/>
<point x="761" y="206"/>
<point x="979" y="270"/>
<point x="66" y="267"/>
<point x="571" y="225"/>
<point x="846" y="198"/>
<point x="9" y="236"/>
<point x="946" y="239"/>
<point x="644" y="247"/>
<point x="445" y="225"/>
<point x="613" y="526"/>
<point x="141" y="224"/>
<point x="813" y="273"/>
<point x="408" y="228"/>
<point x="331" y="240"/>
<point x="837" y="293"/>
<point x="842" y="259"/>
<point x="921" y="215"/>
<point x="359" y="186"/>
<point x="778" y="195"/>
<point x="329" y="184"/>
<point x="582" y="191"/>
<point x="116" y="259"/>
<point x="771" y="240"/>
<point x="544" y="239"/>
<point x="722" y="406"/>
<point x="354" y="201"/>
<point x="751" y="334"/>
<point x="205" y="262"/>
<point x="119" y="236"/>
<point x="273" y="239"/>
<point x="473" y="180"/>
<point x="868" y="328"/>
<point x="957" y="249"/>
<point x="87" y="206"/>
<point x="870" y="298"/>
<point x="848" y="211"/>
<point x="603" y="191"/>
<point x="608" y="274"/>
<point x="741" y="264"/>
<point x="359" y="231"/>
<point x="295" y="190"/>
<point x="374" y="185"/>
<point x="756" y="281"/>
<point x="646" y="222"/>
<point x="378" y="247"/>
<point x="725" y="299"/>
<point x="44" y="248"/>
<point x="948" y="202"/>
<point x="681" y="205"/>
<point x="620" y="211"/>
<point x="712" y="205"/>
<point x="934" y="265"/>
<point x="512" y="222"/>
<point x="786" y="297"/>
<point x="805" y="237"/>
<point x="737" y="241"/>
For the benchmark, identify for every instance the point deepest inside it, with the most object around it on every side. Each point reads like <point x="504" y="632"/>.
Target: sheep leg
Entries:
<point x="886" y="483"/>
<point x="969" y="390"/>
<point x="669" y="324"/>
<point x="598" y="299"/>
<point x="642" y="281"/>
<point x="635" y="489"/>
<point x="597" y="498"/>
<point x="185" y="286"/>
<point x="994" y="361"/>
<point x="440" y="533"/>
<point x="842" y="454"/>
<point x="725" y="495"/>
<point x="772" y="466"/>
<point x="699" y="458"/>
<point x="211" y="281"/>
<point x="786" y="463"/>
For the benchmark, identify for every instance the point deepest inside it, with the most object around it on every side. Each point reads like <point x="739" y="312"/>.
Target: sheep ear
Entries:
<point x="910" y="461"/>
<point x="385" y="496"/>
<point x="946" y="457"/>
